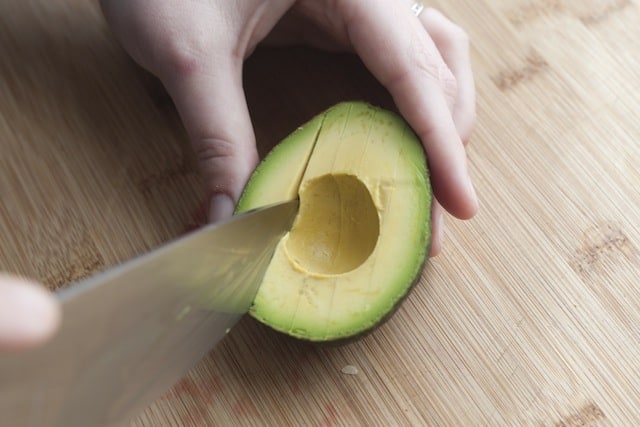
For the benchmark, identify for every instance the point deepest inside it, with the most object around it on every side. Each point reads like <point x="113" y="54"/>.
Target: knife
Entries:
<point x="128" y="334"/>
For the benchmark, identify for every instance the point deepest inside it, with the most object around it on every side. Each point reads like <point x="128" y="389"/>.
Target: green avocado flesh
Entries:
<point x="363" y="230"/>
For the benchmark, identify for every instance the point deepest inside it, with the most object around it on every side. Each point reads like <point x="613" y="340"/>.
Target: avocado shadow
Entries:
<point x="286" y="87"/>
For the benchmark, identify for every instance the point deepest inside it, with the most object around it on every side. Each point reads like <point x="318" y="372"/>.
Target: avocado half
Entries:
<point x="362" y="234"/>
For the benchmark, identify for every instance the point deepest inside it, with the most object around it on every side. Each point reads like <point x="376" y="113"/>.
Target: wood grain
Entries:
<point x="530" y="316"/>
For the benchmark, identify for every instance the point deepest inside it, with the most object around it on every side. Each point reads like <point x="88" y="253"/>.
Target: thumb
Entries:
<point x="211" y="102"/>
<point x="29" y="315"/>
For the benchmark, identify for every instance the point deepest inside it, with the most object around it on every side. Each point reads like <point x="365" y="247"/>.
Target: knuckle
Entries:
<point x="183" y="53"/>
<point x="458" y="33"/>
<point x="454" y="31"/>
<point x="436" y="71"/>
<point x="458" y="38"/>
<point x="214" y="149"/>
<point x="447" y="82"/>
<point x="448" y="32"/>
<point x="179" y="57"/>
<point x="424" y="69"/>
<point x="465" y="122"/>
<point x="216" y="158"/>
<point x="224" y="162"/>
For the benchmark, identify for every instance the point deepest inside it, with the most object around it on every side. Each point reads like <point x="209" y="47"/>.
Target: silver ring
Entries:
<point x="417" y="8"/>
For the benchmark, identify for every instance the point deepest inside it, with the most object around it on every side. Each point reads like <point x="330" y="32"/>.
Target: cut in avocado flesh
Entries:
<point x="362" y="234"/>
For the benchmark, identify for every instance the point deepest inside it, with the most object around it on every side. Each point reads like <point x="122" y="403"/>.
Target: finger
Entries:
<point x="211" y="103"/>
<point x="29" y="315"/>
<point x="453" y="44"/>
<point x="437" y="229"/>
<point x="397" y="50"/>
<point x="193" y="51"/>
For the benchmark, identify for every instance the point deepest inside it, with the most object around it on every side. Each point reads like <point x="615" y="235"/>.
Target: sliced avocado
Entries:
<point x="363" y="230"/>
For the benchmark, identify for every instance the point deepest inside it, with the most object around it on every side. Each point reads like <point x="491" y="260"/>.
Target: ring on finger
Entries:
<point x="417" y="8"/>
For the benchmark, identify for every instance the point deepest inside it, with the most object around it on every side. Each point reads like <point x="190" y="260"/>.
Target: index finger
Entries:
<point x="398" y="51"/>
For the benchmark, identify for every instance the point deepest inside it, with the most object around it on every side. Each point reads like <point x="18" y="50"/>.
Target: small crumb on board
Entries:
<point x="350" y="370"/>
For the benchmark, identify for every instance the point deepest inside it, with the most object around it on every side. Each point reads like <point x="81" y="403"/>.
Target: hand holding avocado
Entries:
<point x="197" y="49"/>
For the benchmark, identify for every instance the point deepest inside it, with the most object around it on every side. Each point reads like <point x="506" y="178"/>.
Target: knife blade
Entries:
<point x="131" y="332"/>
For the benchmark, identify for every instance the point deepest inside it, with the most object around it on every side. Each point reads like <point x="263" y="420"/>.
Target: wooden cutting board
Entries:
<point x="531" y="316"/>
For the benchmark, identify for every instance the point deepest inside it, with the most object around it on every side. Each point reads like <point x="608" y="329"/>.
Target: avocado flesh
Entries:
<point x="363" y="230"/>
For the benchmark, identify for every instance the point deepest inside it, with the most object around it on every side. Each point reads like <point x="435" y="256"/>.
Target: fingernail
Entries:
<point x="220" y="207"/>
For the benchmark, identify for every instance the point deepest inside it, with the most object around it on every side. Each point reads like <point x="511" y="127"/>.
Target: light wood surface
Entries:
<point x="531" y="316"/>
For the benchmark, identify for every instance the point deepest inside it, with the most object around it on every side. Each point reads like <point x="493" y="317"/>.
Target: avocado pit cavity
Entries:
<point x="337" y="227"/>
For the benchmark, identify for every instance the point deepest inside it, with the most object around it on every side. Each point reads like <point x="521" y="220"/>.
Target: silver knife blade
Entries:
<point x="131" y="332"/>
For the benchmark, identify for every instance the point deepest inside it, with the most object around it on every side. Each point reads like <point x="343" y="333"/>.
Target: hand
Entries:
<point x="197" y="49"/>
<point x="29" y="315"/>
